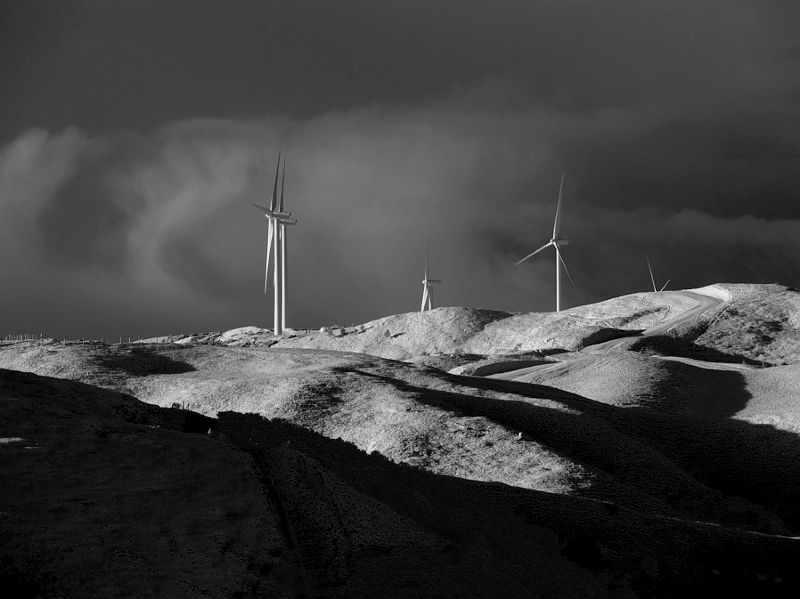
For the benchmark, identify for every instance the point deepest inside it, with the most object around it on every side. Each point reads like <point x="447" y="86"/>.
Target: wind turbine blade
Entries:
<point x="564" y="264"/>
<point x="269" y="249"/>
<point x="426" y="263"/>
<point x="285" y="253"/>
<point x="557" y="224"/>
<point x="275" y="186"/>
<point x="283" y="181"/>
<point x="265" y="209"/>
<point x="665" y="285"/>
<point x="652" y="279"/>
<point x="532" y="254"/>
<point x="424" y="298"/>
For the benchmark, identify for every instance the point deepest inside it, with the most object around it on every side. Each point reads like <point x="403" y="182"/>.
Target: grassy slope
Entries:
<point x="470" y="427"/>
<point x="467" y="330"/>
<point x="105" y="497"/>
<point x="667" y="437"/>
<point x="760" y="323"/>
<point x="113" y="501"/>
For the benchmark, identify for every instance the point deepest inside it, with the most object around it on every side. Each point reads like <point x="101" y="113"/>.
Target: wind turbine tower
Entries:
<point x="426" y="288"/>
<point x="282" y="231"/>
<point x="277" y="221"/>
<point x="557" y="240"/>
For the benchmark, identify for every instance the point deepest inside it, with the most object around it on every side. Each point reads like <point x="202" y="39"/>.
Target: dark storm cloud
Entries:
<point x="409" y="124"/>
<point x="139" y="63"/>
<point x="372" y="188"/>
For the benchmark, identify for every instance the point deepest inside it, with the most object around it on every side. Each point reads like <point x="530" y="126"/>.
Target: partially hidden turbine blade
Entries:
<point x="532" y="254"/>
<point x="557" y="223"/>
<point x="664" y="286"/>
<point x="285" y="255"/>
<point x="275" y="186"/>
<point x="283" y="182"/>
<point x="269" y="249"/>
<point x="564" y="264"/>
<point x="652" y="279"/>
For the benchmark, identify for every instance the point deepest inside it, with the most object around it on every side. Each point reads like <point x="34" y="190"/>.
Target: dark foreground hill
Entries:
<point x="103" y="495"/>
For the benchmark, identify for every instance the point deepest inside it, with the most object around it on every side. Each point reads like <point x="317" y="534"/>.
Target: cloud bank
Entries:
<point x="148" y="233"/>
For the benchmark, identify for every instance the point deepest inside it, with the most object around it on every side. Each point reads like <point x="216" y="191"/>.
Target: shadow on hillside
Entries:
<point x="139" y="361"/>
<point x="702" y="391"/>
<point x="685" y="389"/>
<point x="755" y="461"/>
<point x="609" y="334"/>
<point x="664" y="345"/>
<point x="358" y="525"/>
<point x="501" y="532"/>
<point x="737" y="459"/>
<point x="497" y="367"/>
<point x="484" y="522"/>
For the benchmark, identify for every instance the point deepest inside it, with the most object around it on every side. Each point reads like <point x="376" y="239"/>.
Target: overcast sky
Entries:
<point x="134" y="135"/>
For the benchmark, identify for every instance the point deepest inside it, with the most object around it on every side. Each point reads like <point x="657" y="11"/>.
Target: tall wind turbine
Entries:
<point x="653" y="280"/>
<point x="426" y="288"/>
<point x="277" y="220"/>
<point x="556" y="241"/>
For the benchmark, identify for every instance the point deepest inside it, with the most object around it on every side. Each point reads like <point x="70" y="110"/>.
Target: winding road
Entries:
<point x="707" y="298"/>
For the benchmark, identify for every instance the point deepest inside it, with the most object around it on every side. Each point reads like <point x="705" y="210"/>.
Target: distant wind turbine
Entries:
<point x="277" y="221"/>
<point x="426" y="287"/>
<point x="556" y="241"/>
<point x="653" y="280"/>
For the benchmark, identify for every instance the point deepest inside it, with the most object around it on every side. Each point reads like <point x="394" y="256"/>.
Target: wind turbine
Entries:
<point x="277" y="220"/>
<point x="556" y="241"/>
<point x="426" y="284"/>
<point x="652" y="279"/>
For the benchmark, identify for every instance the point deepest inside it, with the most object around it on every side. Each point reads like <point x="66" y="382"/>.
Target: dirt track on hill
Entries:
<point x="705" y="303"/>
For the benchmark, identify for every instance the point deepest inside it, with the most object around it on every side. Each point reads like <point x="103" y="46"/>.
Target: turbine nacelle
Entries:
<point x="269" y="213"/>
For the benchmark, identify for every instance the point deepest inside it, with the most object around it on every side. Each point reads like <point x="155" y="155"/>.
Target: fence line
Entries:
<point x="22" y="337"/>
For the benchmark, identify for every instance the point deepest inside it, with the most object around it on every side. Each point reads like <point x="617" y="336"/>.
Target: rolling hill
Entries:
<point x="645" y="445"/>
